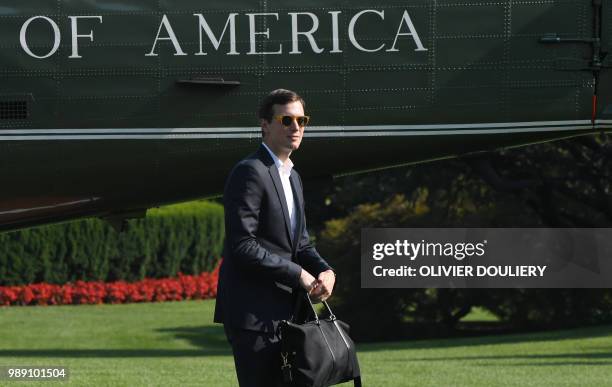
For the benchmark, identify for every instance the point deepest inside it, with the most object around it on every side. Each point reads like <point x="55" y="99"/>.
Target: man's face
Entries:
<point x="281" y="139"/>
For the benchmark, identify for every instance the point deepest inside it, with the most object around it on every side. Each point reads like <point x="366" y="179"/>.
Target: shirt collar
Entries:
<point x="285" y="167"/>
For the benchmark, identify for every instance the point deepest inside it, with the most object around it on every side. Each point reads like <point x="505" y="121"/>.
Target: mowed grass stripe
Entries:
<point x="176" y="344"/>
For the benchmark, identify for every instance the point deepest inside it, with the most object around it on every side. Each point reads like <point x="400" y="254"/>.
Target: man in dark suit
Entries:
<point x="268" y="256"/>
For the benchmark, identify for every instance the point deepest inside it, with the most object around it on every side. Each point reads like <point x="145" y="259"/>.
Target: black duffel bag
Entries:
<point x="319" y="352"/>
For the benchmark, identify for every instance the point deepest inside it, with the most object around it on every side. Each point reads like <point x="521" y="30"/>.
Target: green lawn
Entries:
<point x="175" y="344"/>
<point x="480" y="314"/>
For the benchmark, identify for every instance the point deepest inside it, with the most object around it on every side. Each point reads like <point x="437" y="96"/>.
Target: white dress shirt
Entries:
<point x="284" y="170"/>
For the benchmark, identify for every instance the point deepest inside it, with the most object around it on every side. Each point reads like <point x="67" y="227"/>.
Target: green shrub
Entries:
<point x="393" y="314"/>
<point x="386" y="314"/>
<point x="186" y="237"/>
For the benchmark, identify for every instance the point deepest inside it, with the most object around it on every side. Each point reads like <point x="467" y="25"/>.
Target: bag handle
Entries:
<point x="331" y="314"/>
<point x="298" y="305"/>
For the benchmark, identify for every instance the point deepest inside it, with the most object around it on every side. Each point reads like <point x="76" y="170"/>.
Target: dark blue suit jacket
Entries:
<point x="262" y="259"/>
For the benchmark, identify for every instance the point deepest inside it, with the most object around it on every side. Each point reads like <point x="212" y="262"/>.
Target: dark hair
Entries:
<point x="277" y="97"/>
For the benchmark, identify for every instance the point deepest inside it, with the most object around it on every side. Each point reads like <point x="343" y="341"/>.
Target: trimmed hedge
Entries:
<point x="186" y="237"/>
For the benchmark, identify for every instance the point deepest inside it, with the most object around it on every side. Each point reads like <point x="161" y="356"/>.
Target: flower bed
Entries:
<point x="185" y="287"/>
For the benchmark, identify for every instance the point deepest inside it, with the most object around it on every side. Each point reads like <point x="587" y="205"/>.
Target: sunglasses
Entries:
<point x="288" y="120"/>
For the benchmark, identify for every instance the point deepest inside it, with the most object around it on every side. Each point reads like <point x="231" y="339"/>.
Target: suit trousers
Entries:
<point x="256" y="357"/>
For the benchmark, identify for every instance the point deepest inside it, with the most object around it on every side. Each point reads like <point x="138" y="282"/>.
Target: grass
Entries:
<point x="175" y="344"/>
<point x="480" y="315"/>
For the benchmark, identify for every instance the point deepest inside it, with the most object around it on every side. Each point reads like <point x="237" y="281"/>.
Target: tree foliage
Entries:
<point x="559" y="184"/>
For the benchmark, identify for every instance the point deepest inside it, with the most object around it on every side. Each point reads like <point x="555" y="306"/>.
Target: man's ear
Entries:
<point x="264" y="126"/>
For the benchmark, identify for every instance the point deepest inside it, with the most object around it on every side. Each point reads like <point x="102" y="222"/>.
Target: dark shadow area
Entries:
<point x="205" y="337"/>
<point x="555" y="364"/>
<point x="535" y="357"/>
<point x="107" y="353"/>
<point x="210" y="341"/>
<point x="585" y="333"/>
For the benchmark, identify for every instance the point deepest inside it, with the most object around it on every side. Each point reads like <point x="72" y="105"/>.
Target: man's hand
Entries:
<point x="324" y="286"/>
<point x="307" y="281"/>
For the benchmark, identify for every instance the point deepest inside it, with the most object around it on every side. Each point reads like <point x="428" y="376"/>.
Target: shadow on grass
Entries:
<point x="210" y="341"/>
<point x="554" y="364"/>
<point x="537" y="359"/>
<point x="572" y="334"/>
<point x="205" y="337"/>
<point x="108" y="353"/>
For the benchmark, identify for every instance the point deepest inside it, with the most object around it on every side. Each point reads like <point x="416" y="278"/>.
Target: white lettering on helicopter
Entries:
<point x="23" y="37"/>
<point x="231" y="21"/>
<point x="257" y="34"/>
<point x="56" y="35"/>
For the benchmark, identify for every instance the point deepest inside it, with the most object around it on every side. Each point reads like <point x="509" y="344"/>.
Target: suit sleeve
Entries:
<point x="307" y="254"/>
<point x="309" y="257"/>
<point x="242" y="199"/>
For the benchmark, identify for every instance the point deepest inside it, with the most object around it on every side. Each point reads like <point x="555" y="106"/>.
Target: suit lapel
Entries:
<point x="298" y="199"/>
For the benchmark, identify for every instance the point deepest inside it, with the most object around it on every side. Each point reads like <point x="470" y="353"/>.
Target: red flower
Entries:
<point x="185" y="287"/>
